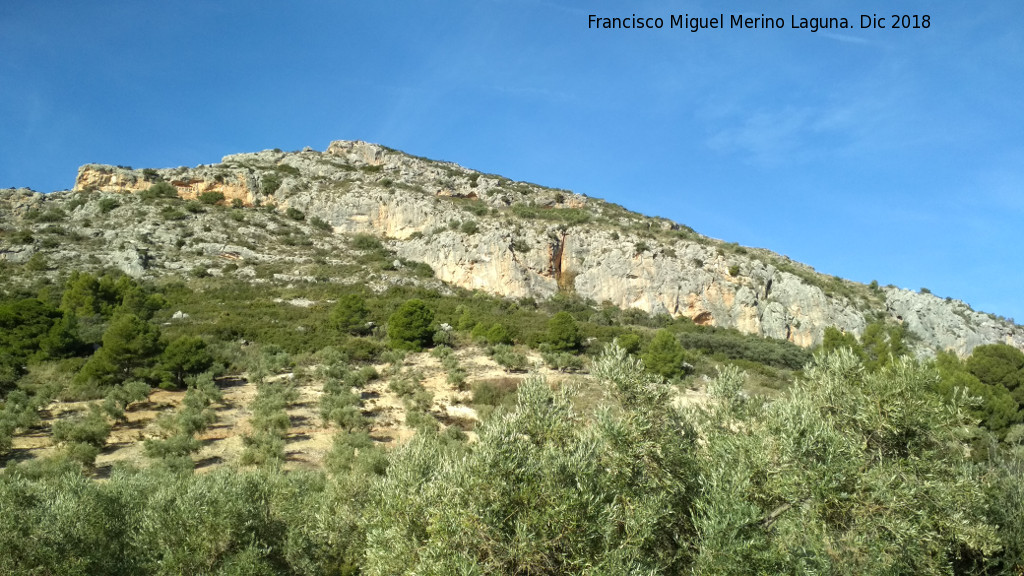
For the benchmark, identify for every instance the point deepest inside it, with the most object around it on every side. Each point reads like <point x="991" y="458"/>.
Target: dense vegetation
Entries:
<point x="854" y="471"/>
<point x="852" y="460"/>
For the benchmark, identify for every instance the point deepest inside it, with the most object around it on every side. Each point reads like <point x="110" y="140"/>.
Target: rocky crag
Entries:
<point x="518" y="240"/>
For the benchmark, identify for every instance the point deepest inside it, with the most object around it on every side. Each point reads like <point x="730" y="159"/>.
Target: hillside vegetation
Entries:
<point x="199" y="385"/>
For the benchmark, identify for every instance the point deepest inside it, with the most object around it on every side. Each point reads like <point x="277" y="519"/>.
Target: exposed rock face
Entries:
<point x="517" y="240"/>
<point x="190" y="184"/>
<point x="948" y="324"/>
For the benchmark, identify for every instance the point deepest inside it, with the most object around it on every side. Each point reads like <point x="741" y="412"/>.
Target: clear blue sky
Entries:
<point x="895" y="155"/>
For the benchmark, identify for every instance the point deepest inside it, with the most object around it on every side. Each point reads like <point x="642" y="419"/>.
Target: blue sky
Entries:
<point x="895" y="155"/>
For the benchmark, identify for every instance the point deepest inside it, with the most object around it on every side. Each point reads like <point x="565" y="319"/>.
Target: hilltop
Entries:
<point x="480" y="232"/>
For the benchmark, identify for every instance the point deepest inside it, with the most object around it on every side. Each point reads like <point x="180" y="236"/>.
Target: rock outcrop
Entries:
<point x="514" y="239"/>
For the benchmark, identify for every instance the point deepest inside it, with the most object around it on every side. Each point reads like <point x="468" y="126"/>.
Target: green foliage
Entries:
<point x="545" y="495"/>
<point x="411" y="326"/>
<point x="726" y="343"/>
<point x="469" y="227"/>
<point x="509" y="358"/>
<point x="130" y="348"/>
<point x="520" y="246"/>
<point x="569" y="216"/>
<point x="853" y="472"/>
<point x="37" y="263"/>
<point x="665" y="355"/>
<point x="999" y="365"/>
<point x="295" y="214"/>
<point x="836" y="339"/>
<point x="211" y="198"/>
<point x="350" y="314"/>
<point x="287" y="169"/>
<point x="88" y="295"/>
<point x="108" y="204"/>
<point x="270" y="422"/>
<point x="563" y="361"/>
<point x="321" y="224"/>
<point x="495" y="392"/>
<point x="269" y="183"/>
<point x="564" y="333"/>
<point x="33" y="330"/>
<point x="734" y="270"/>
<point x="997" y="409"/>
<point x="882" y="344"/>
<point x="83" y="435"/>
<point x="365" y="242"/>
<point x="185" y="356"/>
<point x="341" y="405"/>
<point x="629" y="341"/>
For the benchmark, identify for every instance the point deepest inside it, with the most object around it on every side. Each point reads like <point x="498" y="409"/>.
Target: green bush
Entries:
<point x="159" y="190"/>
<point x="411" y="326"/>
<point x="469" y="227"/>
<point x="495" y="392"/>
<point x="269" y="183"/>
<point x="211" y="198"/>
<point x="365" y="242"/>
<point x="564" y="333"/>
<point x="563" y="361"/>
<point x="665" y="356"/>
<point x="185" y="356"/>
<point x="108" y="204"/>
<point x="321" y="224"/>
<point x="508" y="358"/>
<point x="728" y="343"/>
<point x="295" y="214"/>
<point x="350" y="314"/>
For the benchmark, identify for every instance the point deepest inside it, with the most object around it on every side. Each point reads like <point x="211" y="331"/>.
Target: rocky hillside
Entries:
<point x="474" y="230"/>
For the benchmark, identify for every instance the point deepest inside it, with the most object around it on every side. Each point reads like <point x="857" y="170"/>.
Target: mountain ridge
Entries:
<point x="520" y="240"/>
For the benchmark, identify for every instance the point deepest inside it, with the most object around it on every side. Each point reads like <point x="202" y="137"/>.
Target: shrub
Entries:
<point x="159" y="190"/>
<point x="509" y="358"/>
<point x="563" y="361"/>
<point x="469" y="227"/>
<point x="665" y="356"/>
<point x="295" y="214"/>
<point x="185" y="356"/>
<point x="495" y="392"/>
<point x="350" y="314"/>
<point x="410" y="327"/>
<point x="269" y="183"/>
<point x="108" y="204"/>
<point x="629" y="341"/>
<point x="211" y="198"/>
<point x="321" y="224"/>
<point x="564" y="332"/>
<point x="499" y="334"/>
<point x="362" y="349"/>
<point x="365" y="242"/>
<point x="84" y="435"/>
<point x="734" y="270"/>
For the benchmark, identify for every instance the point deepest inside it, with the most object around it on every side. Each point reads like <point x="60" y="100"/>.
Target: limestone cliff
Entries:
<point x="515" y="239"/>
<point x="189" y="183"/>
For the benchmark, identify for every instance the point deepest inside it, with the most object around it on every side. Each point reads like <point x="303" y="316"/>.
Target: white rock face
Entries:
<point x="485" y="232"/>
<point x="948" y="325"/>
